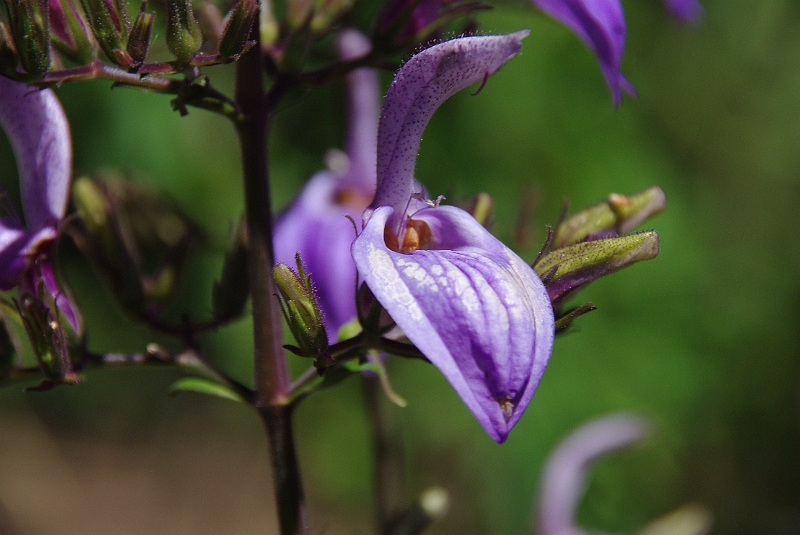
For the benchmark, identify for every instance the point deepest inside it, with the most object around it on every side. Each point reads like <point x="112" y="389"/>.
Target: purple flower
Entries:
<point x="565" y="472"/>
<point x="601" y="25"/>
<point x="316" y="225"/>
<point x="39" y="134"/>
<point x="475" y="309"/>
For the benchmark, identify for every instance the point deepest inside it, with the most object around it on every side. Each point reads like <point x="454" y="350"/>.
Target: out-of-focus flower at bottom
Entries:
<point x="566" y="473"/>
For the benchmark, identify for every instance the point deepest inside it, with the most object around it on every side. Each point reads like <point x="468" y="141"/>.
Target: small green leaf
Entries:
<point x="204" y="386"/>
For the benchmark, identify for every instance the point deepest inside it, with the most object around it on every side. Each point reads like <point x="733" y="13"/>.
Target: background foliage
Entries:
<point x="704" y="340"/>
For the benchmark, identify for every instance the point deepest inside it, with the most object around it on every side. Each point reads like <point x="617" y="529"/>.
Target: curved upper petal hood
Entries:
<point x="423" y="83"/>
<point x="39" y="133"/>
<point x="472" y="306"/>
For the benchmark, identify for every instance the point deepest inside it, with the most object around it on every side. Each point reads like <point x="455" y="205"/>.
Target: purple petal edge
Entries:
<point x="472" y="306"/>
<point x="600" y="24"/>
<point x="421" y="85"/>
<point x="566" y="469"/>
<point x="37" y="127"/>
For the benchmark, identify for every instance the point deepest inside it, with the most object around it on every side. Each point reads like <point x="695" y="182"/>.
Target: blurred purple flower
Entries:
<point x="420" y="13"/>
<point x="39" y="134"/>
<point x="566" y="470"/>
<point x="316" y="225"/>
<point x="475" y="309"/>
<point x="687" y="11"/>
<point x="600" y="24"/>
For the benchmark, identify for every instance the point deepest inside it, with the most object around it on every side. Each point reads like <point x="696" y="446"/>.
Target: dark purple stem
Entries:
<point x="271" y="378"/>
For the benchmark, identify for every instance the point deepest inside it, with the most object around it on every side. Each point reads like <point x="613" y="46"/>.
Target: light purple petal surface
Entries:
<point x="566" y="470"/>
<point x="601" y="25"/>
<point x="421" y="85"/>
<point x="472" y="306"/>
<point x="39" y="133"/>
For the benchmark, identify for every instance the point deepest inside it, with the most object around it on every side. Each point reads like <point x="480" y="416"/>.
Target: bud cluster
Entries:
<point x="140" y="241"/>
<point x="39" y="36"/>
<point x="592" y="243"/>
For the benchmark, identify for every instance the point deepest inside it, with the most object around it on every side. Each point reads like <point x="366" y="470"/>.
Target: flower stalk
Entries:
<point x="271" y="377"/>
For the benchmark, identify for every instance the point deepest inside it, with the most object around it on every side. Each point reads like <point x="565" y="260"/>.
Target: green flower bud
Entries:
<point x="30" y="27"/>
<point x="139" y="38"/>
<point x="183" y="31"/>
<point x="616" y="216"/>
<point x="48" y="337"/>
<point x="565" y="270"/>
<point x="301" y="311"/>
<point x="236" y="38"/>
<point x="70" y="33"/>
<point x="139" y="240"/>
<point x="109" y="22"/>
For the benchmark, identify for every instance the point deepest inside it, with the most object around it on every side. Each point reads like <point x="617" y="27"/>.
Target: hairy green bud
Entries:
<point x="183" y="31"/>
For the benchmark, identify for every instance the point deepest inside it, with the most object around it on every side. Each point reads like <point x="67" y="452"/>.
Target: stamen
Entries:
<point x="390" y="238"/>
<point x="506" y="407"/>
<point x="418" y="236"/>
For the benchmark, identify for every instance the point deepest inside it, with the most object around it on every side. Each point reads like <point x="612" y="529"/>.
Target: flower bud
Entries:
<point x="70" y="33"/>
<point x="45" y="328"/>
<point x="139" y="38"/>
<point x="30" y="27"/>
<point x="614" y="217"/>
<point x="236" y="36"/>
<point x="567" y="269"/>
<point x="183" y="31"/>
<point x="139" y="240"/>
<point x="109" y="22"/>
<point x="301" y="310"/>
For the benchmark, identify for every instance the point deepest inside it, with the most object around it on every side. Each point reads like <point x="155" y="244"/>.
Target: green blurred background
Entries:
<point x="703" y="340"/>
